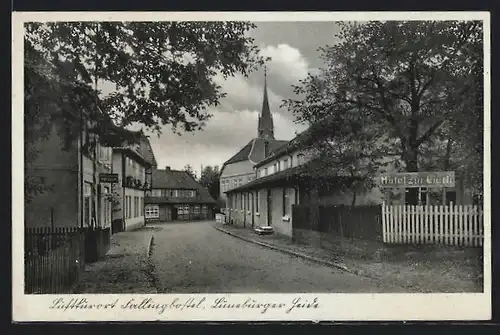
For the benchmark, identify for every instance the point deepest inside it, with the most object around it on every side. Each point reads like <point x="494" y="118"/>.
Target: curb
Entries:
<point x="150" y="245"/>
<point x="290" y="252"/>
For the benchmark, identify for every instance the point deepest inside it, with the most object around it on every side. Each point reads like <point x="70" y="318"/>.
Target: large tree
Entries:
<point x="393" y="89"/>
<point x="210" y="179"/>
<point x="162" y="73"/>
<point x="189" y="170"/>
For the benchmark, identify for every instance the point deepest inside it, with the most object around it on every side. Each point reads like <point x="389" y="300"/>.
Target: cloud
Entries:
<point x="244" y="93"/>
<point x="223" y="136"/>
<point x="287" y="62"/>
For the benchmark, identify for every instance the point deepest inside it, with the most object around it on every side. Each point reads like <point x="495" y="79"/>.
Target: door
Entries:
<point x="174" y="213"/>
<point x="269" y="207"/>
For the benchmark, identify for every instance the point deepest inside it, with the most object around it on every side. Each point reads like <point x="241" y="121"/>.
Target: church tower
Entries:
<point x="266" y="127"/>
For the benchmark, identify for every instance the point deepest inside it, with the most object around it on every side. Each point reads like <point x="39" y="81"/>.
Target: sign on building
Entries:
<point x="418" y="179"/>
<point x="108" y="178"/>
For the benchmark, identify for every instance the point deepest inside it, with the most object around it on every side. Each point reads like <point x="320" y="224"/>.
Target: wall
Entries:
<point x="60" y="169"/>
<point x="135" y="222"/>
<point x="293" y="161"/>
<point x="243" y="217"/>
<point x="117" y="187"/>
<point x="235" y="171"/>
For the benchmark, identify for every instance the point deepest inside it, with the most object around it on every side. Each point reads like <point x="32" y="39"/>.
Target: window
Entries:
<point x="129" y="206"/>
<point x="142" y="207"/>
<point x="204" y="209"/>
<point x="183" y="210"/>
<point x="196" y="209"/>
<point x="291" y="161"/>
<point x="286" y="202"/>
<point x="87" y="211"/>
<point x="265" y="171"/>
<point x="136" y="206"/>
<point x="276" y="167"/>
<point x="300" y="159"/>
<point x="152" y="211"/>
<point x="285" y="164"/>
<point x="257" y="201"/>
<point x="248" y="201"/>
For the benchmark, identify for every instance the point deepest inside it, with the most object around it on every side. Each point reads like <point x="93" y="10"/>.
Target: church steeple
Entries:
<point x="266" y="127"/>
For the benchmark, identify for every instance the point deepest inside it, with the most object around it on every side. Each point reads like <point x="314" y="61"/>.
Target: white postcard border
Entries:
<point x="334" y="307"/>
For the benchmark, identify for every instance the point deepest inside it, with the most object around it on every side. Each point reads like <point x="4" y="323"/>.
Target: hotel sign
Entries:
<point x="108" y="178"/>
<point x="418" y="179"/>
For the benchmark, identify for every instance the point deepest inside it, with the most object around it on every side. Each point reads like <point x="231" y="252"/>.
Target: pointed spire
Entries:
<point x="266" y="127"/>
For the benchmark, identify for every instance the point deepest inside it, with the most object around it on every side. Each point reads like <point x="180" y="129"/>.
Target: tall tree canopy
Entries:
<point x="163" y="74"/>
<point x="210" y="179"/>
<point x="406" y="90"/>
<point x="189" y="169"/>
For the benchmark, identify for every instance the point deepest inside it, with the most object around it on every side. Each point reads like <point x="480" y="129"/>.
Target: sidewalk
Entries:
<point x="425" y="269"/>
<point x="124" y="269"/>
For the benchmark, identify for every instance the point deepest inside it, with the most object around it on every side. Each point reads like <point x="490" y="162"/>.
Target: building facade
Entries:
<point x="239" y="169"/>
<point x="176" y="196"/>
<point x="284" y="179"/>
<point x="133" y="180"/>
<point x="75" y="197"/>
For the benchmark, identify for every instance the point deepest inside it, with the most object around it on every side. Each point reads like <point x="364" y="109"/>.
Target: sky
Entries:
<point x="293" y="49"/>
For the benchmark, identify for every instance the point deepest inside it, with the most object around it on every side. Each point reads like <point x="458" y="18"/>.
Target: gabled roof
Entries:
<point x="258" y="151"/>
<point x="241" y="155"/>
<point x="173" y="179"/>
<point x="147" y="151"/>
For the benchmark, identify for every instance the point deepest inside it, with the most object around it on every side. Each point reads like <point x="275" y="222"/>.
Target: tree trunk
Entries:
<point x="447" y="158"/>
<point x="412" y="166"/>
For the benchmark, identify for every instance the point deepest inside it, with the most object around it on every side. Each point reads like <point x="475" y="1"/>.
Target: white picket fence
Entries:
<point x="457" y="225"/>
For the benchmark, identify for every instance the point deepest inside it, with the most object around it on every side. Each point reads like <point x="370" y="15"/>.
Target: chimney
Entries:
<point x="167" y="168"/>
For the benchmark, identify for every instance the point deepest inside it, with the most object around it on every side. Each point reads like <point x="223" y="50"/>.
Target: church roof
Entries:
<point x="264" y="144"/>
<point x="255" y="150"/>
<point x="265" y="127"/>
<point x="241" y="155"/>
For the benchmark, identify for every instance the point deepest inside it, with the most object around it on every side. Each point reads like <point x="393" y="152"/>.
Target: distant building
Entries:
<point x="239" y="169"/>
<point x="284" y="179"/>
<point x="176" y="196"/>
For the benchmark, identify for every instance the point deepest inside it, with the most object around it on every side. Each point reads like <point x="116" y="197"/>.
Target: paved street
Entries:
<point x="196" y="258"/>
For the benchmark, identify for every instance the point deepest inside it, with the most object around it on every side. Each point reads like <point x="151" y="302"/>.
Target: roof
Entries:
<point x="134" y="152"/>
<point x="241" y="155"/>
<point x="147" y="151"/>
<point x="284" y="149"/>
<point x="258" y="152"/>
<point x="175" y="179"/>
<point x="305" y="173"/>
<point x="281" y="176"/>
<point x="254" y="150"/>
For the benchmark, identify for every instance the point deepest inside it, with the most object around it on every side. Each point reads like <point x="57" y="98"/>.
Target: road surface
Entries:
<point x="194" y="257"/>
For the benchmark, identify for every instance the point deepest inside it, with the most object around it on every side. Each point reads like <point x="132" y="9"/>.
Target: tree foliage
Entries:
<point x="162" y="73"/>
<point x="189" y="169"/>
<point x="395" y="89"/>
<point x="210" y="179"/>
